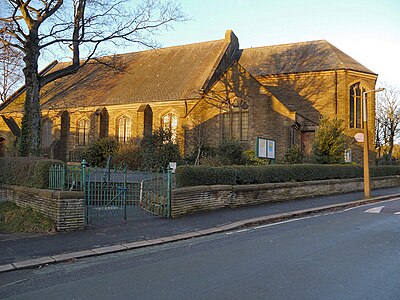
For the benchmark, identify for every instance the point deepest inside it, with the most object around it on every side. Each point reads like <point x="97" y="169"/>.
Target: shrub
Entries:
<point x="231" y="153"/>
<point x="158" y="149"/>
<point x="26" y="171"/>
<point x="97" y="153"/>
<point x="206" y="175"/>
<point x="129" y="155"/>
<point x="330" y="142"/>
<point x="293" y="155"/>
<point x="226" y="154"/>
<point x="252" y="160"/>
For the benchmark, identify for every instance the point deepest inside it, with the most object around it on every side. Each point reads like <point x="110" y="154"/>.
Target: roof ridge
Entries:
<point x="337" y="51"/>
<point x="148" y="50"/>
<point x="287" y="44"/>
<point x="341" y="63"/>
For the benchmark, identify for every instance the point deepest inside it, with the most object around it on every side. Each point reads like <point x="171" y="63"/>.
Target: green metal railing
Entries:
<point x="111" y="193"/>
<point x="62" y="177"/>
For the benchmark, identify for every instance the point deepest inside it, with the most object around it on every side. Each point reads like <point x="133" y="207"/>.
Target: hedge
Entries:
<point x="26" y="171"/>
<point x="237" y="175"/>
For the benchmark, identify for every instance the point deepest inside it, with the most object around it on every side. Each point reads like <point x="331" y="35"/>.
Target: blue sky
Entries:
<point x="367" y="30"/>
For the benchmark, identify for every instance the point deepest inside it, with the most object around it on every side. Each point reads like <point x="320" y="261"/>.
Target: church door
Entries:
<point x="307" y="140"/>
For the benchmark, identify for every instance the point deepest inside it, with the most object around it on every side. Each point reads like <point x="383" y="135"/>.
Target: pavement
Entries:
<point x="21" y="251"/>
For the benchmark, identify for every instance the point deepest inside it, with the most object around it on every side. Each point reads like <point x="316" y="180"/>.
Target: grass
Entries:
<point x="22" y="219"/>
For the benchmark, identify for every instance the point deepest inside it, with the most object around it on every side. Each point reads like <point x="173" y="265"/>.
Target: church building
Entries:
<point x="275" y="92"/>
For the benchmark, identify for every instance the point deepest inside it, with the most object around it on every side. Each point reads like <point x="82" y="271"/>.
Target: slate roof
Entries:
<point x="180" y="72"/>
<point x="172" y="73"/>
<point x="296" y="58"/>
<point x="295" y="102"/>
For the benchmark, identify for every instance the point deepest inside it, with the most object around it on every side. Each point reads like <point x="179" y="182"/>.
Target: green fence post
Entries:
<point x="124" y="195"/>
<point x="83" y="187"/>
<point x="169" y="183"/>
<point x="125" y="188"/>
<point x="50" y="177"/>
<point x="64" y="177"/>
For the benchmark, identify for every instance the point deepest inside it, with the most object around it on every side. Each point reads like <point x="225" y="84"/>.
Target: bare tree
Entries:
<point x="81" y="26"/>
<point x="10" y="68"/>
<point x="387" y="119"/>
<point x="198" y="136"/>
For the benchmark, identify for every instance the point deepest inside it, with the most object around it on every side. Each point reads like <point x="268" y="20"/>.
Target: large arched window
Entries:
<point x="170" y="124"/>
<point x="83" y="131"/>
<point x="47" y="133"/>
<point x="235" y="120"/>
<point x="356" y="104"/>
<point x="103" y="130"/>
<point x="124" y="125"/>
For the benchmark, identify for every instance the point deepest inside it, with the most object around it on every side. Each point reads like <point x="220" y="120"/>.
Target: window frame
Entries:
<point x="235" y="120"/>
<point x="171" y="125"/>
<point x="83" y="135"/>
<point x="127" y="129"/>
<point x="356" y="91"/>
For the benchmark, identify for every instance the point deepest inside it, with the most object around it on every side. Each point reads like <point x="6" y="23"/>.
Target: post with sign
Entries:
<point x="367" y="187"/>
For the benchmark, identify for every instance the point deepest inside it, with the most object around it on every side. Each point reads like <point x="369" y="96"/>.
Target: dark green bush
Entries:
<point x="252" y="160"/>
<point x="226" y="154"/>
<point x="206" y="175"/>
<point x="381" y="171"/>
<point x="231" y="153"/>
<point x="129" y="155"/>
<point x="330" y="142"/>
<point x="97" y="153"/>
<point x="26" y="171"/>
<point x="293" y="155"/>
<point x="158" y="149"/>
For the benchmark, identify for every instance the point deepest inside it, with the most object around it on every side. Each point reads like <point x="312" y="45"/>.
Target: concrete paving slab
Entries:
<point x="156" y="241"/>
<point x="67" y="256"/>
<point x="135" y="245"/>
<point x="169" y="239"/>
<point x="227" y="227"/>
<point x="109" y="249"/>
<point x="7" y="267"/>
<point x="188" y="235"/>
<point x="209" y="231"/>
<point x="30" y="263"/>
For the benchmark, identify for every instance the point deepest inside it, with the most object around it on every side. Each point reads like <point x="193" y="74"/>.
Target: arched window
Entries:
<point x="235" y="120"/>
<point x="83" y="131"/>
<point x="356" y="104"/>
<point x="47" y="133"/>
<point x="124" y="124"/>
<point x="148" y="121"/>
<point x="170" y="124"/>
<point x="103" y="130"/>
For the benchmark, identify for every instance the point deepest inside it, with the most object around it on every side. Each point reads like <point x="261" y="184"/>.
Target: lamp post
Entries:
<point x="367" y="187"/>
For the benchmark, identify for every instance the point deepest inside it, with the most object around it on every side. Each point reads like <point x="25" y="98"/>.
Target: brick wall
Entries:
<point x="65" y="208"/>
<point x="201" y="198"/>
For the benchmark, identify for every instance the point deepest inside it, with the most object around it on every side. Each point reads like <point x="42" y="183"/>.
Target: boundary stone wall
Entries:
<point x="65" y="208"/>
<point x="200" y="198"/>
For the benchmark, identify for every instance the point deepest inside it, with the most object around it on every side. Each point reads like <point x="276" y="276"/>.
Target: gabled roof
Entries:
<point x="297" y="58"/>
<point x="295" y="102"/>
<point x="172" y="73"/>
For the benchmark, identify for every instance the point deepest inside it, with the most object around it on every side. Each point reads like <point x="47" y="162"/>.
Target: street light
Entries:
<point x="367" y="187"/>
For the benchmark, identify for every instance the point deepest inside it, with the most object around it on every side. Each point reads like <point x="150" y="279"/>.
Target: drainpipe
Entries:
<point x="336" y="92"/>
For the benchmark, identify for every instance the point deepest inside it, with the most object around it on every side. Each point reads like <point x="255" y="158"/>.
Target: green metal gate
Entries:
<point x="116" y="193"/>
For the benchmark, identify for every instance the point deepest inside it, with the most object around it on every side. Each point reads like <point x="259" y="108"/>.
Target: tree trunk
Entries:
<point x="31" y="121"/>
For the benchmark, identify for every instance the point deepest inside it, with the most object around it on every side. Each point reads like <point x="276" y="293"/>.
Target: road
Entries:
<point x="352" y="254"/>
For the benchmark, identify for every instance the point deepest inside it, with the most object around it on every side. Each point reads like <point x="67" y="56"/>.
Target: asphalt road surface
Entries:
<point x="352" y="254"/>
